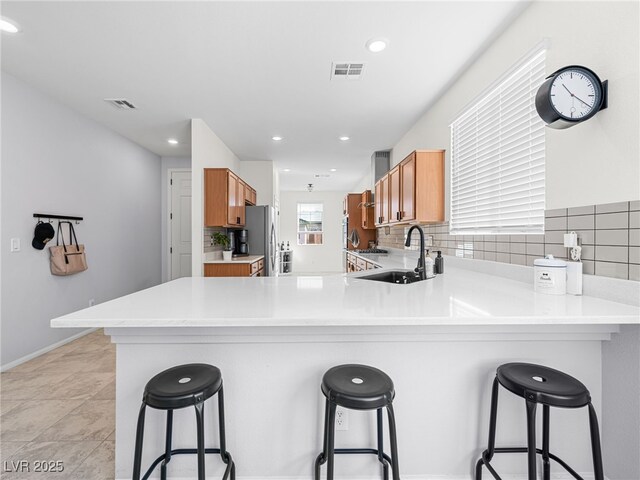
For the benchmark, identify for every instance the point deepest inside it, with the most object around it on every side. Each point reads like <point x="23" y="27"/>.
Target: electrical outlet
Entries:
<point x="342" y="419"/>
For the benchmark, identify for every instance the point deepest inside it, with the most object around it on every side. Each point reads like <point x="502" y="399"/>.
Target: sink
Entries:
<point x="401" y="277"/>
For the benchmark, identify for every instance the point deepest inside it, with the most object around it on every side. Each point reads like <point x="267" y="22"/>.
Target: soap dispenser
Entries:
<point x="439" y="263"/>
<point x="428" y="266"/>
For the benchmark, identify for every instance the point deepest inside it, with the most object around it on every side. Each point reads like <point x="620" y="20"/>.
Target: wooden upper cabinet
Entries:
<point x="394" y="194"/>
<point x="224" y="198"/>
<point x="408" y="188"/>
<point x="249" y="195"/>
<point x="384" y="204"/>
<point x="413" y="191"/>
<point x="367" y="212"/>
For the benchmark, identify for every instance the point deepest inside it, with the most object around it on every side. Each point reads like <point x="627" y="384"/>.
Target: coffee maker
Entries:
<point x="242" y="242"/>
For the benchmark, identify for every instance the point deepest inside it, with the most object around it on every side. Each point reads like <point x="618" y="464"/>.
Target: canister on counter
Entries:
<point x="550" y="275"/>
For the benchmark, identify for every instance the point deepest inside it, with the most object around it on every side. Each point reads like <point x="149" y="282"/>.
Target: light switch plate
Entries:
<point x="15" y="244"/>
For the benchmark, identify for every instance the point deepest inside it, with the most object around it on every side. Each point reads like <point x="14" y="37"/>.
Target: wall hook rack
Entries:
<point x="58" y="217"/>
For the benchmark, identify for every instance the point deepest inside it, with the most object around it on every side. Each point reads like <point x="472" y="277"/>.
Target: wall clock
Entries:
<point x="570" y="96"/>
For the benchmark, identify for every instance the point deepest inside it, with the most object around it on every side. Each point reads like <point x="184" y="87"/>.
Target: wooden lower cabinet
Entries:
<point x="232" y="269"/>
<point x="358" y="264"/>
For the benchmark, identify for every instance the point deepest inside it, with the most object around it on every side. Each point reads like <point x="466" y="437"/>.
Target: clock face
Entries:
<point x="575" y="94"/>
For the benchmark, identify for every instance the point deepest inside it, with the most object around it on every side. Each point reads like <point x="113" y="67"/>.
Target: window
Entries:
<point x="309" y="224"/>
<point x="498" y="157"/>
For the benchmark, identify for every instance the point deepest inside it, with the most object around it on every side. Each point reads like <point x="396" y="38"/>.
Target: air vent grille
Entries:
<point x="322" y="175"/>
<point x="346" y="70"/>
<point x="121" y="103"/>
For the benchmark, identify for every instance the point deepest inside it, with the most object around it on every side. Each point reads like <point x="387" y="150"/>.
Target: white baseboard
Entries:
<point x="44" y="350"/>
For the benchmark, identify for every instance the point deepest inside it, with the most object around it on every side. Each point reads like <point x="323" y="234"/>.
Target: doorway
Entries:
<point x="179" y="223"/>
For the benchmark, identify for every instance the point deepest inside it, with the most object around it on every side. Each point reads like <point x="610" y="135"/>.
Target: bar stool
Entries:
<point x="551" y="388"/>
<point x="358" y="387"/>
<point x="180" y="387"/>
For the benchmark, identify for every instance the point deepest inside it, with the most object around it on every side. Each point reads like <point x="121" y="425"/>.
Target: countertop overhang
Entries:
<point x="460" y="297"/>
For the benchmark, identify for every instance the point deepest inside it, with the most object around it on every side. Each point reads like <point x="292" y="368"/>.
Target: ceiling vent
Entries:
<point x="121" y="103"/>
<point x="322" y="175"/>
<point x="347" y="71"/>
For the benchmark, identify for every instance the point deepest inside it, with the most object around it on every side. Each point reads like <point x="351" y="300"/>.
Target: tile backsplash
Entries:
<point x="207" y="241"/>
<point x="609" y="235"/>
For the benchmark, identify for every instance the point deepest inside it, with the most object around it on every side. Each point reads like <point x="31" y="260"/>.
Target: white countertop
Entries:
<point x="459" y="297"/>
<point x="245" y="259"/>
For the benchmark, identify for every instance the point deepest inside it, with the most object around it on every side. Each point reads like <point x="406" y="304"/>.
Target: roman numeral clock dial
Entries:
<point x="569" y="96"/>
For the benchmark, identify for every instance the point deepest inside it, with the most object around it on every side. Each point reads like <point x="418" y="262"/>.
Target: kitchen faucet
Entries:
<point x="420" y="269"/>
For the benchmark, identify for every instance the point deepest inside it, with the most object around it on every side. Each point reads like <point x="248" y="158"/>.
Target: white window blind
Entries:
<point x="498" y="156"/>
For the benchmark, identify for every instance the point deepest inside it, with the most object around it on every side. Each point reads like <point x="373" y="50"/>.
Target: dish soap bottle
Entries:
<point x="439" y="263"/>
<point x="428" y="265"/>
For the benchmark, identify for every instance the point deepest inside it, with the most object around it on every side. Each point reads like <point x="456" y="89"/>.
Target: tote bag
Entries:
<point x="67" y="259"/>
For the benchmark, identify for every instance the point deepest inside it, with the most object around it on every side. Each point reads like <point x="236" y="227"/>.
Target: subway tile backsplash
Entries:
<point x="609" y="235"/>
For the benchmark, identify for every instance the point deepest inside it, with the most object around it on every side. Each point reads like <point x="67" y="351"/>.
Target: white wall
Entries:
<point x="260" y="175"/>
<point x="593" y="163"/>
<point x="56" y="161"/>
<point x="313" y="258"/>
<point x="166" y="164"/>
<point x="365" y="183"/>
<point x="207" y="151"/>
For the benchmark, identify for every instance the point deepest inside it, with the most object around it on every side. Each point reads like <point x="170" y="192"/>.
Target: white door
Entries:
<point x="180" y="220"/>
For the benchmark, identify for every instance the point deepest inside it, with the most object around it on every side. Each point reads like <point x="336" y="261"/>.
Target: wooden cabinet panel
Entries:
<point x="225" y="197"/>
<point x="367" y="212"/>
<point x="394" y="194"/>
<point x="413" y="191"/>
<point x="408" y="188"/>
<point x="384" y="194"/>
<point x="232" y="199"/>
<point x="377" y="198"/>
<point x="255" y="269"/>
<point x="355" y="222"/>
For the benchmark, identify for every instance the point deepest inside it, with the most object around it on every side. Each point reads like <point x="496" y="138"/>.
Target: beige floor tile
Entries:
<point x="80" y="386"/>
<point x="100" y="465"/>
<point x="36" y="363"/>
<point x="70" y="456"/>
<point x="94" y="360"/>
<point x="93" y="420"/>
<point x="8" y="405"/>
<point x="31" y="418"/>
<point x="7" y="449"/>
<point x="108" y="392"/>
<point x="28" y="386"/>
<point x="112" y="437"/>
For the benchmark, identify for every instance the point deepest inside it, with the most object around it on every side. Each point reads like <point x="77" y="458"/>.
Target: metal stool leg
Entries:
<point x="385" y="465"/>
<point x="200" y="429"/>
<point x="487" y="455"/>
<point x="331" y="440"/>
<point x="395" y="469"/>
<point x="531" y="438"/>
<point x="546" y="465"/>
<point x="596" y="451"/>
<point x="322" y="458"/>
<point x="167" y="448"/>
<point x="137" y="458"/>
<point x="221" y="429"/>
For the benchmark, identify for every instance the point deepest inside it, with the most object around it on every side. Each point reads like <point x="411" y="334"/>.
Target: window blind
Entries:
<point x="498" y="158"/>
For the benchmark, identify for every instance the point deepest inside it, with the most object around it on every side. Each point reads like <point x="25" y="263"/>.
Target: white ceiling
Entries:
<point x="252" y="70"/>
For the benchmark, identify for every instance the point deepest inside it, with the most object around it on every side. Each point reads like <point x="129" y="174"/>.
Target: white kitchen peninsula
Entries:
<point x="440" y="341"/>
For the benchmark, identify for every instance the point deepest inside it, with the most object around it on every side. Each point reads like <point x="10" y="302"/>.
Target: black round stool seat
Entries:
<point x="183" y="386"/>
<point x="359" y="387"/>
<point x="543" y="385"/>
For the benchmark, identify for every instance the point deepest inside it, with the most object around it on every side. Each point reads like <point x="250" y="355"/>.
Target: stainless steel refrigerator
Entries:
<point x="260" y="222"/>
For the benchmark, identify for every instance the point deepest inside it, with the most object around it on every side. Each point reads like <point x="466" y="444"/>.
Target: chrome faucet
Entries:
<point x="420" y="269"/>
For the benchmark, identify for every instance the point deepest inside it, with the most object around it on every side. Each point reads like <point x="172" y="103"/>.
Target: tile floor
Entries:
<point x="60" y="407"/>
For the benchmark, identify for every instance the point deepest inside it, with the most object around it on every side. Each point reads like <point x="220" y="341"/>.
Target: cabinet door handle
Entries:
<point x="238" y="220"/>
<point x="397" y="215"/>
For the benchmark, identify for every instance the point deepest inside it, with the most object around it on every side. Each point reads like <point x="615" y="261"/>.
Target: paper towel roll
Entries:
<point x="574" y="278"/>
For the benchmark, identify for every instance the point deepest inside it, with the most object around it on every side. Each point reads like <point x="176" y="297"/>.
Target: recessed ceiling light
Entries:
<point x="344" y="139"/>
<point x="286" y="169"/>
<point x="276" y="138"/>
<point x="173" y="141"/>
<point x="333" y="170"/>
<point x="376" y="45"/>
<point x="7" y="26"/>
